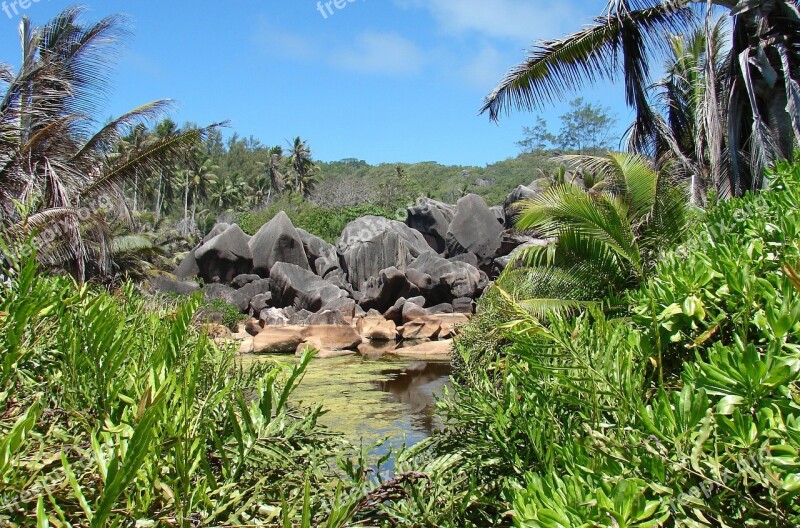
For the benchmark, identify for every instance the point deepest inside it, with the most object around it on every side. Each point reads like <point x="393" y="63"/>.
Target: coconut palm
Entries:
<point x="51" y="160"/>
<point x="604" y="241"/>
<point x="274" y="169"/>
<point x="689" y="139"/>
<point x="303" y="167"/>
<point x="198" y="177"/>
<point x="762" y="93"/>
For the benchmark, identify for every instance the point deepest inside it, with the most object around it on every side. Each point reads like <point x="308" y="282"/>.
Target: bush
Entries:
<point x="324" y="223"/>
<point x="115" y="411"/>
<point x="576" y="424"/>
<point x="220" y="312"/>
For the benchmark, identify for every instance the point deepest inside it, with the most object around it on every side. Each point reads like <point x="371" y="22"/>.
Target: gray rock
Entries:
<point x="225" y="256"/>
<point x="300" y="318"/>
<point x="499" y="213"/>
<point x="218" y="292"/>
<point x="243" y="280"/>
<point x="464" y="305"/>
<point x="322" y="257"/>
<point x="260" y="302"/>
<point x="372" y="243"/>
<point x="345" y="306"/>
<point x="500" y="264"/>
<point x="474" y="230"/>
<point x="541" y="184"/>
<point x="468" y="258"/>
<point x="218" y="229"/>
<point x="444" y="308"/>
<point x="326" y="317"/>
<point x="512" y="203"/>
<point x="412" y="312"/>
<point x="421" y="280"/>
<point x="381" y="292"/>
<point x="165" y="284"/>
<point x="244" y="295"/>
<point x="274" y="317"/>
<point x="300" y="288"/>
<point x="432" y="219"/>
<point x="188" y="267"/>
<point x="277" y="241"/>
<point x="395" y="313"/>
<point x="449" y="279"/>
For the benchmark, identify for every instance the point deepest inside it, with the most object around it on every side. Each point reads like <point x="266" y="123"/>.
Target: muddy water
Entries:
<point x="374" y="399"/>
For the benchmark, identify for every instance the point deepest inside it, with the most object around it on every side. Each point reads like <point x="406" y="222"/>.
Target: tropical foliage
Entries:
<point x="604" y="240"/>
<point x="757" y="111"/>
<point x="116" y="409"/>
<point x="55" y="165"/>
<point x="571" y="426"/>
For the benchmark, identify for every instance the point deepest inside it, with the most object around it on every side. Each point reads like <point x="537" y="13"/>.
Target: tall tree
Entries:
<point x="303" y="167"/>
<point x="762" y="89"/>
<point x="274" y="169"/>
<point x="49" y="157"/>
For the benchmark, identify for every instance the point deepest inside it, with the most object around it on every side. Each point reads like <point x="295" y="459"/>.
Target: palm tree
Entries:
<point x="303" y="167"/>
<point x="49" y="158"/>
<point x="689" y="139"/>
<point x="274" y="169"/>
<point x="762" y="94"/>
<point x="605" y="241"/>
<point x="200" y="174"/>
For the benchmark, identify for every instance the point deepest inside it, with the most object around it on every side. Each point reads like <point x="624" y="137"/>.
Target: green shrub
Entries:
<point x="573" y="426"/>
<point x="324" y="223"/>
<point x="114" y="411"/>
<point x="220" y="312"/>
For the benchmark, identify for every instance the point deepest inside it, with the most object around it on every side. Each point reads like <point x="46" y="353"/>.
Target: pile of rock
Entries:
<point x="384" y="280"/>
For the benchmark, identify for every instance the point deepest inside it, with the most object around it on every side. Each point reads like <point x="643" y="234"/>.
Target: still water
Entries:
<point x="374" y="399"/>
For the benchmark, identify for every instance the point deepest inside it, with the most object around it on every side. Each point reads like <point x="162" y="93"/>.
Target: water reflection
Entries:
<point x="416" y="386"/>
<point x="370" y="397"/>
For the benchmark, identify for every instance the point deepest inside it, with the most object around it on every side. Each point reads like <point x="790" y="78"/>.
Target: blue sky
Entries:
<point x="379" y="80"/>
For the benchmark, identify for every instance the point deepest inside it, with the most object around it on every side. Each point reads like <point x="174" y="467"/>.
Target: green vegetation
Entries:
<point x="54" y="169"/>
<point x="604" y="241"/>
<point x="642" y="370"/>
<point x="115" y="408"/>
<point x="569" y="424"/>
<point x="320" y="221"/>
<point x="586" y="128"/>
<point x="740" y="106"/>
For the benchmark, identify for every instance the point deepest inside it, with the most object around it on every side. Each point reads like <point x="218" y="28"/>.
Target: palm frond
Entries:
<point x="148" y="161"/>
<point x="615" y="44"/>
<point x="110" y="134"/>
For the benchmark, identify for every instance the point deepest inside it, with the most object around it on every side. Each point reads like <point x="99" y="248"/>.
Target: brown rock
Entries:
<point x="412" y="312"/>
<point x="433" y="349"/>
<point x="279" y="339"/>
<point x="376" y="349"/>
<point x="323" y="353"/>
<point x="253" y="326"/>
<point x="376" y="328"/>
<point x="332" y="337"/>
<point x="422" y="329"/>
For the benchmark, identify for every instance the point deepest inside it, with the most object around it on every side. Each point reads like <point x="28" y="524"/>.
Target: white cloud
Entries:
<point x="379" y="53"/>
<point x="520" y="20"/>
<point x="274" y="42"/>
<point x="486" y="68"/>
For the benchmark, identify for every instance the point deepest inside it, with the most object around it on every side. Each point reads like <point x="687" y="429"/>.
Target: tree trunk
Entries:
<point x="136" y="192"/>
<point x="157" y="212"/>
<point x="186" y="205"/>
